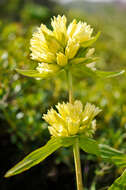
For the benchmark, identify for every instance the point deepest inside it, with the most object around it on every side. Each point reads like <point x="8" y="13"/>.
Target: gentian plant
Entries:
<point x="67" y="49"/>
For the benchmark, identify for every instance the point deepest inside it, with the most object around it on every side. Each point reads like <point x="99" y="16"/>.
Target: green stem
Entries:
<point x="76" y="144"/>
<point x="77" y="165"/>
<point x="70" y="87"/>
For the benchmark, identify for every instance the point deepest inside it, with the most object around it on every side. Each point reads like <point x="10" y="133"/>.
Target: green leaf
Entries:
<point x="36" y="74"/>
<point x="120" y="183"/>
<point x="91" y="41"/>
<point x="108" y="74"/>
<point x="110" y="154"/>
<point x="82" y="60"/>
<point x="89" y="145"/>
<point x="40" y="154"/>
<point x="120" y="161"/>
<point x="67" y="141"/>
<point x="81" y="69"/>
<point x="35" y="157"/>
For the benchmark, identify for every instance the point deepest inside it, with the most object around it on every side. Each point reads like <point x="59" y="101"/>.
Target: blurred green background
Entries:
<point x="23" y="100"/>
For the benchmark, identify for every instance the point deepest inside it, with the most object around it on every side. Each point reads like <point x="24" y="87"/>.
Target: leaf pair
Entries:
<point x="34" y="158"/>
<point x="86" y="144"/>
<point x="76" y="69"/>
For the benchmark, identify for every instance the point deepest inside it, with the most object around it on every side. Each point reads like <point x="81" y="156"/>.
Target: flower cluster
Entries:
<point x="62" y="44"/>
<point x="72" y="119"/>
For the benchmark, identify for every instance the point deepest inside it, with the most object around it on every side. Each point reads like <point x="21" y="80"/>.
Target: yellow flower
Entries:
<point x="79" y="31"/>
<point x="59" y="28"/>
<point x="62" y="44"/>
<point x="61" y="59"/>
<point x="71" y="48"/>
<point x="72" y="119"/>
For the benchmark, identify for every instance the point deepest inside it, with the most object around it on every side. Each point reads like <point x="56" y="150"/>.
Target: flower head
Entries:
<point x="61" y="44"/>
<point x="72" y="119"/>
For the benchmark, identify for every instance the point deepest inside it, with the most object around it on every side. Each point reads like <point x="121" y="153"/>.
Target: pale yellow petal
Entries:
<point x="52" y="117"/>
<point x="45" y="67"/>
<point x="91" y="66"/>
<point x="63" y="132"/>
<point x="40" y="50"/>
<point x="90" y="111"/>
<point x="51" y="42"/>
<point x="59" y="28"/>
<point x="71" y="48"/>
<point x="53" y="132"/>
<point x="61" y="59"/>
<point x="90" y="52"/>
<point x="83" y="32"/>
<point x="71" y="28"/>
<point x="73" y="127"/>
<point x="78" y="106"/>
<point x="44" y="29"/>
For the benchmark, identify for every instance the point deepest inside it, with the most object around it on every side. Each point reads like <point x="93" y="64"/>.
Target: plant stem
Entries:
<point x="76" y="144"/>
<point x="70" y="87"/>
<point x="77" y="165"/>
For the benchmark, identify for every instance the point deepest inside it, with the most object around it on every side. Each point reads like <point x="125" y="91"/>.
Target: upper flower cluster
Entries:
<point x="62" y="44"/>
<point x="72" y="119"/>
<point x="64" y="48"/>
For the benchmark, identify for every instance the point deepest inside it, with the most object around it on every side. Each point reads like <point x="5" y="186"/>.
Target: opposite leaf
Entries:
<point x="120" y="160"/>
<point x="120" y="183"/>
<point x="67" y="141"/>
<point x="108" y="74"/>
<point x="35" y="157"/>
<point x="112" y="155"/>
<point x="91" y="41"/>
<point x="81" y="70"/>
<point x="89" y="145"/>
<point x="42" y="71"/>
